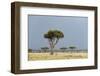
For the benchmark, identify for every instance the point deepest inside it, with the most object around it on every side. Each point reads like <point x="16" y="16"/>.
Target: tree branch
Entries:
<point x="56" y="41"/>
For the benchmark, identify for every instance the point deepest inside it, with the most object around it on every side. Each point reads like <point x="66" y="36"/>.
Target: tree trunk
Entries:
<point x="52" y="52"/>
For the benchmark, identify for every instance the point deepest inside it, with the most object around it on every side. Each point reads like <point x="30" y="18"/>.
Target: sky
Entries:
<point x="75" y="31"/>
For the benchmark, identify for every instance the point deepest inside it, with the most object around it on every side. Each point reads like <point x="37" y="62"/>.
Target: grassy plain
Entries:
<point x="57" y="55"/>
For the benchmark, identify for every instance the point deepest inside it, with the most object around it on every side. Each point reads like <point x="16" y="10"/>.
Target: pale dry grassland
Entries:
<point x="57" y="55"/>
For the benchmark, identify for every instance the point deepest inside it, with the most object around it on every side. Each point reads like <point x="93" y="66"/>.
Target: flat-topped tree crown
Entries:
<point x="72" y="47"/>
<point x="51" y="34"/>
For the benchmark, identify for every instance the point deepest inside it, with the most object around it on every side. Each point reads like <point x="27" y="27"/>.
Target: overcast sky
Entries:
<point x="75" y="31"/>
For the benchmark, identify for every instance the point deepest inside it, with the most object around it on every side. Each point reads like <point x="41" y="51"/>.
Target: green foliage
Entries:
<point x="63" y="48"/>
<point x="72" y="47"/>
<point x="44" y="48"/>
<point x="53" y="37"/>
<point x="51" y="34"/>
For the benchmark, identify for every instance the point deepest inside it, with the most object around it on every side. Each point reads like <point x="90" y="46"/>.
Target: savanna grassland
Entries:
<point x="57" y="55"/>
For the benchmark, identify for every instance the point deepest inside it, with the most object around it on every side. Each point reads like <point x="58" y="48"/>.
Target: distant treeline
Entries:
<point x="60" y="50"/>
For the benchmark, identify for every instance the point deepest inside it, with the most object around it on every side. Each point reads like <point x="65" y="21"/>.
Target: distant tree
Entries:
<point x="63" y="49"/>
<point x="45" y="49"/>
<point x="29" y="50"/>
<point x="72" y="47"/>
<point x="53" y="37"/>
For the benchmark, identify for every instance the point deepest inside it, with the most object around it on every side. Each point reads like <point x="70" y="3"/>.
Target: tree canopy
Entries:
<point x="52" y="34"/>
<point x="72" y="47"/>
<point x="63" y="48"/>
<point x="53" y="37"/>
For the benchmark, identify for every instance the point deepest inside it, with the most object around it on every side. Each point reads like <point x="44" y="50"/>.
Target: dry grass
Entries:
<point x="59" y="55"/>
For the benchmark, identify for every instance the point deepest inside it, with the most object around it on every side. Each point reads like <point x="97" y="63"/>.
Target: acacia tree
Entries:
<point x="53" y="37"/>
<point x="72" y="47"/>
<point x="63" y="49"/>
<point x="45" y="49"/>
